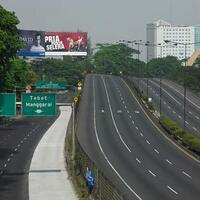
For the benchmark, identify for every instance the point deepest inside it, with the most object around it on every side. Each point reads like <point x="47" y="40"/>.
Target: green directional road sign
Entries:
<point x="38" y="104"/>
<point x="7" y="104"/>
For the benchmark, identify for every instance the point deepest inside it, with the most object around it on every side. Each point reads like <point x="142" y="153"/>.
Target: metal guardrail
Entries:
<point x="104" y="189"/>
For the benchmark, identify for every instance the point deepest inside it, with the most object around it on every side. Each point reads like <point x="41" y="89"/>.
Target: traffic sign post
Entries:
<point x="38" y="104"/>
<point x="75" y="99"/>
<point x="7" y="104"/>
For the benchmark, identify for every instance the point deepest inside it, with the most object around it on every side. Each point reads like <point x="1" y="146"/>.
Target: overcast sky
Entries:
<point x="104" y="20"/>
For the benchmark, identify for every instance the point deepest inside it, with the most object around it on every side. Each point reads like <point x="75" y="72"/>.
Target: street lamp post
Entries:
<point x="184" y="81"/>
<point x="138" y="43"/>
<point x="160" y="83"/>
<point x="147" y="70"/>
<point x="184" y="93"/>
<point x="131" y="42"/>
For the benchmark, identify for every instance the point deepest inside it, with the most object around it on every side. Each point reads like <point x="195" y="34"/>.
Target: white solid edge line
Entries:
<point x="186" y="153"/>
<point x="98" y="141"/>
<point x="115" y="125"/>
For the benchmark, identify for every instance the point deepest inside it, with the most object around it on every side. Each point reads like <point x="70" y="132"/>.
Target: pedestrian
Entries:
<point x="89" y="181"/>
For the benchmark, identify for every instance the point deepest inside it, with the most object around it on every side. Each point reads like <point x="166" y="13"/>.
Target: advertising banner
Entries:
<point x="34" y="44"/>
<point x="66" y="43"/>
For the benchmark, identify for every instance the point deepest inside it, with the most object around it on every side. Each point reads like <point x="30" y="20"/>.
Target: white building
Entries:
<point x="160" y="31"/>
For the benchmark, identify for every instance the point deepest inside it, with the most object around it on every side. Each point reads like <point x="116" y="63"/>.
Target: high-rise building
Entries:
<point x="197" y="36"/>
<point x="160" y="31"/>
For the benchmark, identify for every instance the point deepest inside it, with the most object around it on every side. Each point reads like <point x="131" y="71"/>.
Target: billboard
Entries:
<point x="34" y="44"/>
<point x="66" y="43"/>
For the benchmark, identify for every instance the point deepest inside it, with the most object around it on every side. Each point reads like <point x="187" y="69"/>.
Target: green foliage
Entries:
<point x="171" y="68"/>
<point x="9" y="44"/>
<point x="70" y="70"/>
<point x="21" y="73"/>
<point x="167" y="67"/>
<point x="191" y="140"/>
<point x="116" y="59"/>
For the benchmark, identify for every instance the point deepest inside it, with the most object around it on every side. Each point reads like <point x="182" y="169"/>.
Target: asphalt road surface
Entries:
<point x="18" y="141"/>
<point x="172" y="103"/>
<point x="116" y="133"/>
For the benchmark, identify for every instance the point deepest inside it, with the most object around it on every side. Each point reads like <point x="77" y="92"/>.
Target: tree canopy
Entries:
<point x="116" y="59"/>
<point x="10" y="43"/>
<point x="70" y="69"/>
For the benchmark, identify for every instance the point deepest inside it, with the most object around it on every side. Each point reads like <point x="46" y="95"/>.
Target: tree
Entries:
<point x="115" y="58"/>
<point x="21" y="73"/>
<point x="10" y="43"/>
<point x="168" y="67"/>
<point x="69" y="69"/>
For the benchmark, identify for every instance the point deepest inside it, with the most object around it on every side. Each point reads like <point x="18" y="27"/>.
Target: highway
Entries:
<point x="18" y="141"/>
<point x="173" y="101"/>
<point x="114" y="130"/>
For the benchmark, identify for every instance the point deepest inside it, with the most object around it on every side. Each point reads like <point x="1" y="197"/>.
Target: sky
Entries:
<point x="106" y="21"/>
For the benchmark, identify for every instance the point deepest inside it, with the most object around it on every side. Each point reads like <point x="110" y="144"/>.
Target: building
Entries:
<point x="197" y="36"/>
<point x="159" y="31"/>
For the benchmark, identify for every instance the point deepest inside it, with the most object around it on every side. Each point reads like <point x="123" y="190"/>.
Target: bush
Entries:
<point x="145" y="98"/>
<point x="195" y="144"/>
<point x="187" y="138"/>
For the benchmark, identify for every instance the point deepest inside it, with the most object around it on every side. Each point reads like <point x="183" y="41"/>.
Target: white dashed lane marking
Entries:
<point x="194" y="128"/>
<point x="151" y="173"/>
<point x="147" y="142"/>
<point x="186" y="174"/>
<point x="138" y="161"/>
<point x="169" y="162"/>
<point x="172" y="190"/>
<point x="156" y="151"/>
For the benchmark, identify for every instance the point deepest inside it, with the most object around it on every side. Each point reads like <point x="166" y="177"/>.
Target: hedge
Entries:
<point x="192" y="141"/>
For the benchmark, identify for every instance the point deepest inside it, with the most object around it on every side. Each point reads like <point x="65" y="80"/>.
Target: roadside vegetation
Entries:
<point x="16" y="73"/>
<point x="188" y="140"/>
<point x="120" y="59"/>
